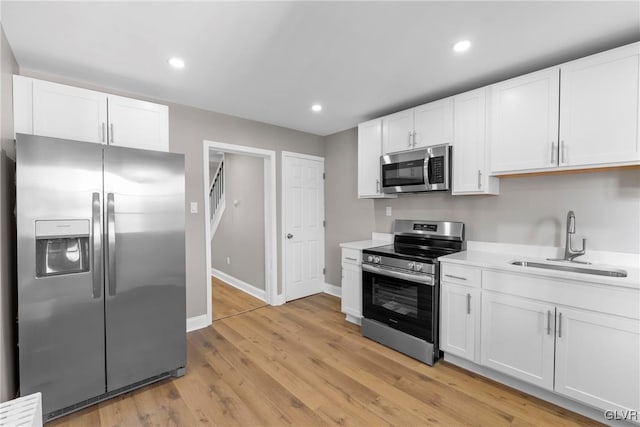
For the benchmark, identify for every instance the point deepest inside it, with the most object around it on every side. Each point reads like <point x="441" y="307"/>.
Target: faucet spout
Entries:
<point x="571" y="222"/>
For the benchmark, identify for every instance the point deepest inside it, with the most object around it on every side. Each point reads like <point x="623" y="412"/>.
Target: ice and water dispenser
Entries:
<point x="62" y="247"/>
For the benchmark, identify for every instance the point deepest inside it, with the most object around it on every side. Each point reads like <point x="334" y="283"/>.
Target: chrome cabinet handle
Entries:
<point x="377" y="186"/>
<point x="102" y="133"/>
<point x="455" y="277"/>
<point x="414" y="137"/>
<point x="111" y="244"/>
<point x="553" y="152"/>
<point x="96" y="266"/>
<point x="289" y="236"/>
<point x="410" y="133"/>
<point x="559" y="324"/>
<point x="468" y="303"/>
<point x="562" y="152"/>
<point x="548" y="322"/>
<point x="479" y="179"/>
<point x="350" y="258"/>
<point x="111" y="133"/>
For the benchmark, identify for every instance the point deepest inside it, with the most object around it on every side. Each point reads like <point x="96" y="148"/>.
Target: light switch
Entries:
<point x="194" y="207"/>
<point x="388" y="211"/>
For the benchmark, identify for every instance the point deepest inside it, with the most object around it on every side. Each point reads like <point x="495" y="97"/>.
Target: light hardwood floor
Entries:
<point x="302" y="364"/>
<point x="229" y="301"/>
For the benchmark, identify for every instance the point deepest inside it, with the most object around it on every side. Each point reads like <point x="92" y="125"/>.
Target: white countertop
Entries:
<point x="502" y="261"/>
<point x="377" y="239"/>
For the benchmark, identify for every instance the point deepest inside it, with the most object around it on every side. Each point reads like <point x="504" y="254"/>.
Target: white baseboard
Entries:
<point x="197" y="322"/>
<point x="261" y="294"/>
<point x="330" y="289"/>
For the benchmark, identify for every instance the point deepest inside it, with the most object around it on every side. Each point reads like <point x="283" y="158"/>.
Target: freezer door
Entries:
<point x="60" y="288"/>
<point x="145" y="264"/>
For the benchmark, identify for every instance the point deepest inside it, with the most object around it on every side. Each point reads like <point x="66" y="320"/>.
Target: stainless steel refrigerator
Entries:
<point x="101" y="269"/>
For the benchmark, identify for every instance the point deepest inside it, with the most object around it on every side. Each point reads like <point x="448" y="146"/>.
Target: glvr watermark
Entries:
<point x="622" y="415"/>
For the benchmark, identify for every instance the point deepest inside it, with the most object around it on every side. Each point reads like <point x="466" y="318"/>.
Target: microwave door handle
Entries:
<point x="427" y="169"/>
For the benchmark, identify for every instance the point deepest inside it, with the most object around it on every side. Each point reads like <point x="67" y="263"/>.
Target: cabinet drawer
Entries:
<point x="352" y="256"/>
<point x="460" y="274"/>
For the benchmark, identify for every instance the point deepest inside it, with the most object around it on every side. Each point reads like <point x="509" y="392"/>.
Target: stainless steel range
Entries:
<point x="401" y="286"/>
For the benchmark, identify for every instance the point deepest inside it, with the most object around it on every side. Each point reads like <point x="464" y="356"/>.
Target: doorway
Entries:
<point x="270" y="294"/>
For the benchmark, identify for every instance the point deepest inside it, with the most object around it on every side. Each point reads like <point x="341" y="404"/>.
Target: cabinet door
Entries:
<point x="518" y="338"/>
<point x="469" y="174"/>
<point x="460" y="316"/>
<point x="138" y="124"/>
<point x="352" y="291"/>
<point x="433" y="123"/>
<point x="598" y="359"/>
<point x="68" y="112"/>
<point x="369" y="152"/>
<point x="397" y="132"/>
<point x="524" y="122"/>
<point x="599" y="108"/>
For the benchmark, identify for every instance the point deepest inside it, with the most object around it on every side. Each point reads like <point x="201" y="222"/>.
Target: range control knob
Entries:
<point x="410" y="265"/>
<point x="419" y="266"/>
<point x="376" y="259"/>
<point x="370" y="258"/>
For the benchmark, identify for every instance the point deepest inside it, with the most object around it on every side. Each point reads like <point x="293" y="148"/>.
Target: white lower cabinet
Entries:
<point x="577" y="339"/>
<point x="598" y="359"/>
<point x="460" y="320"/>
<point x="352" y="285"/>
<point x="518" y="337"/>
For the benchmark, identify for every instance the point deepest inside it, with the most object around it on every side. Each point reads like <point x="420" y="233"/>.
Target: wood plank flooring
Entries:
<point x="302" y="364"/>
<point x="229" y="301"/>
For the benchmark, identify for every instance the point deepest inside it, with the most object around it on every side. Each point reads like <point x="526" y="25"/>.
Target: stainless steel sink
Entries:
<point x="574" y="269"/>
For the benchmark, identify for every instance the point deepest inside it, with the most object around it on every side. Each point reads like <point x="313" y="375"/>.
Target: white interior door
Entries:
<point x="303" y="224"/>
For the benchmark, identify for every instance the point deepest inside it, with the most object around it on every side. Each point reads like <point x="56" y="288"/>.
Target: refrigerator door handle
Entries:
<point x="111" y="244"/>
<point x="97" y="246"/>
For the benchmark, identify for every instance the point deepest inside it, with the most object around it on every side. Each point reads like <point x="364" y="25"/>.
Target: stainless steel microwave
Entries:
<point x="416" y="171"/>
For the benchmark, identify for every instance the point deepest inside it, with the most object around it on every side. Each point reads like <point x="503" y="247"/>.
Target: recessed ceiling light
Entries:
<point x="176" y="63"/>
<point x="462" y="46"/>
<point x="316" y="107"/>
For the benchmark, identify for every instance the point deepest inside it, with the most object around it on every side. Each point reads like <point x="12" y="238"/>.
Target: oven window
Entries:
<point x="403" y="173"/>
<point x="401" y="299"/>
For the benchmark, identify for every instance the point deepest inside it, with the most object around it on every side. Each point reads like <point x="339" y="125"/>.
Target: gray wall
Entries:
<point x="8" y="66"/>
<point x="188" y="128"/>
<point x="240" y="235"/>
<point x="348" y="218"/>
<point x="529" y="210"/>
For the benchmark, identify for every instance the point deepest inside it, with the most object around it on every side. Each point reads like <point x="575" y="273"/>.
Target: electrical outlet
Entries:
<point x="194" y="207"/>
<point x="228" y="260"/>
<point x="388" y="211"/>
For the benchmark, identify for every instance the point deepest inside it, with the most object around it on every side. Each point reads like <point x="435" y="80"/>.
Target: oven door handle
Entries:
<point x="422" y="279"/>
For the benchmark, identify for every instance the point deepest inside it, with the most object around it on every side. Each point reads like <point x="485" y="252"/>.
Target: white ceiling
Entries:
<point x="269" y="61"/>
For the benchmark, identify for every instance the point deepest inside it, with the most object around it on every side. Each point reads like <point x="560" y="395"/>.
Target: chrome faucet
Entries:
<point x="569" y="253"/>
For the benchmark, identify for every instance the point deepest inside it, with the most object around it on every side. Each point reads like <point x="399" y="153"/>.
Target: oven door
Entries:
<point x="398" y="300"/>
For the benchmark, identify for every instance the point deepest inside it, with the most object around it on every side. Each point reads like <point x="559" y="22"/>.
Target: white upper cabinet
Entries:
<point x="397" y="132"/>
<point x="68" y="112"/>
<point x="61" y="111"/>
<point x="428" y="124"/>
<point x="470" y="172"/>
<point x="138" y="124"/>
<point x="524" y="122"/>
<point x="433" y="123"/>
<point x="599" y="108"/>
<point x="369" y="152"/>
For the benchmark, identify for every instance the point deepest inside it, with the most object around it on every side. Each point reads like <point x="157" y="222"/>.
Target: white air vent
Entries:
<point x="23" y="412"/>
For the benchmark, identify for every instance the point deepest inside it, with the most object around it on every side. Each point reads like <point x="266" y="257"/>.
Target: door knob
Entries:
<point x="289" y="236"/>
